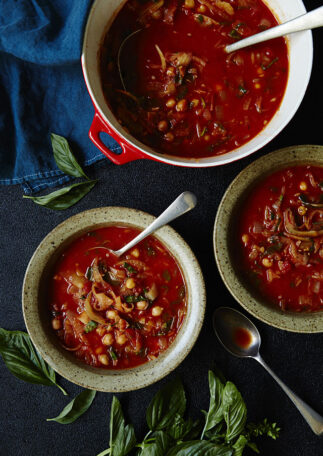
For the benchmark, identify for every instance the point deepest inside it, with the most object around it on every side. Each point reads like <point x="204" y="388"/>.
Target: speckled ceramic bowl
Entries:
<point x="37" y="315"/>
<point x="224" y="238"/>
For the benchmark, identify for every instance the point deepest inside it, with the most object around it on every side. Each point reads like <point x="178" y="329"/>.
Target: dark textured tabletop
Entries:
<point x="151" y="186"/>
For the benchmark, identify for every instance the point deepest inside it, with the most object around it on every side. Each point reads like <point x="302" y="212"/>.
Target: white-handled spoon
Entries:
<point x="307" y="21"/>
<point x="183" y="203"/>
<point x="241" y="338"/>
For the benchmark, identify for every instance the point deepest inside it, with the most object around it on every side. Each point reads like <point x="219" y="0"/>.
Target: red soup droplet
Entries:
<point x="242" y="337"/>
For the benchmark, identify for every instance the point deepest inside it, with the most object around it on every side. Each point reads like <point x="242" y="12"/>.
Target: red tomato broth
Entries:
<point x="227" y="99"/>
<point x="281" y="261"/>
<point x="144" y="339"/>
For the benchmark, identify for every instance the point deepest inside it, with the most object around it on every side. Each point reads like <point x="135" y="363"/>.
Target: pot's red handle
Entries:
<point x="128" y="154"/>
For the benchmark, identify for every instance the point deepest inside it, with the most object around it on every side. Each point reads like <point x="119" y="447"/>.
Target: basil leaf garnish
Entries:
<point x="182" y="429"/>
<point x="157" y="445"/>
<point x="64" y="157"/>
<point x="239" y="445"/>
<point x="75" y="408"/>
<point x="23" y="361"/>
<point x="122" y="436"/>
<point x="200" y="448"/>
<point x="65" y="197"/>
<point x="215" y="412"/>
<point x="234" y="411"/>
<point x="169" y="402"/>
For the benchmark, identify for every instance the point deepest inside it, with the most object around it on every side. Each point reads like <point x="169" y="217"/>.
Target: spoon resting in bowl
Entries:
<point x="185" y="202"/>
<point x="306" y="21"/>
<point x="240" y="337"/>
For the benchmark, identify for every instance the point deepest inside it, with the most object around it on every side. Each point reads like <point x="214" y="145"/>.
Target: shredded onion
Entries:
<point x="162" y="57"/>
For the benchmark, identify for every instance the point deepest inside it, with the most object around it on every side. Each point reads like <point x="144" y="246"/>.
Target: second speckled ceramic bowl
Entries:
<point x="37" y="315"/>
<point x="224" y="237"/>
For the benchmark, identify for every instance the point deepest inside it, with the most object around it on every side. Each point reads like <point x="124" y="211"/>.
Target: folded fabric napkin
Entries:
<point x="42" y="90"/>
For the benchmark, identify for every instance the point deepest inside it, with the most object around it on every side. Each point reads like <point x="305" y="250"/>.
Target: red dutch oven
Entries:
<point x="101" y="16"/>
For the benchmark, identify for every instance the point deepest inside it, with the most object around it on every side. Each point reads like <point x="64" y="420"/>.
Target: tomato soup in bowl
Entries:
<point x="268" y="238"/>
<point x="113" y="323"/>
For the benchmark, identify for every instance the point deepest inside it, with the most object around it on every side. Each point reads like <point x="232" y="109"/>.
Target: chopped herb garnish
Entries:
<point x="265" y="67"/>
<point x="89" y="273"/>
<point x="242" y="90"/>
<point x="108" y="277"/>
<point x="134" y="298"/>
<point x="203" y="132"/>
<point x="166" y="327"/>
<point x="272" y="215"/>
<point x="91" y="325"/>
<point x="235" y="34"/>
<point x="112" y="353"/>
<point x="166" y="275"/>
<point x="292" y="284"/>
<point x="273" y="248"/>
<point x="303" y="198"/>
<point x="129" y="268"/>
<point x="200" y="18"/>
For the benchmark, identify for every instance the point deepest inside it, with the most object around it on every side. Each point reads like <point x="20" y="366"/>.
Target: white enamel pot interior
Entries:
<point x="300" y="46"/>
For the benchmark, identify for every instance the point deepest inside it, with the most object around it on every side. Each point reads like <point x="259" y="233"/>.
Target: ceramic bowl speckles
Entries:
<point x="37" y="315"/>
<point x="223" y="236"/>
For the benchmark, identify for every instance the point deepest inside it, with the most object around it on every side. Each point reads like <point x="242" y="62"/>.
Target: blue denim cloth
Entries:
<point x="42" y="90"/>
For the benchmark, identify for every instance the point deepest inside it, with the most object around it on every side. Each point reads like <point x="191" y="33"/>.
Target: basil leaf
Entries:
<point x="181" y="429"/>
<point x="75" y="408"/>
<point x="215" y="412"/>
<point x="23" y="361"/>
<point x="160" y="445"/>
<point x="122" y="437"/>
<point x="65" y="197"/>
<point x="64" y="158"/>
<point x="169" y="402"/>
<point x="240" y="445"/>
<point x="234" y="411"/>
<point x="199" y="448"/>
<point x="90" y="326"/>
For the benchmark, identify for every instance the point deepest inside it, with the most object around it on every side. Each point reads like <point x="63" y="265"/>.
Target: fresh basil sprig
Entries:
<point x="75" y="408"/>
<point x="64" y="197"/>
<point x="24" y="361"/>
<point x="64" y="157"/>
<point x="67" y="196"/>
<point x="224" y="433"/>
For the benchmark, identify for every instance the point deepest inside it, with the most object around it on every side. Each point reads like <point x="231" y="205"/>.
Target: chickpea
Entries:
<point x="194" y="103"/>
<point x="189" y="4"/>
<point x="302" y="210"/>
<point x="56" y="323"/>
<point x="111" y="314"/>
<point x="142" y="305"/>
<point x="135" y="253"/>
<point x="245" y="238"/>
<point x="121" y="339"/>
<point x="169" y="136"/>
<point x="156" y="311"/>
<point x="163" y="126"/>
<point x="303" y="186"/>
<point x="267" y="262"/>
<point x="170" y="103"/>
<point x="107" y="339"/>
<point x="103" y="359"/>
<point x="201" y="9"/>
<point x="130" y="283"/>
<point x="181" y="105"/>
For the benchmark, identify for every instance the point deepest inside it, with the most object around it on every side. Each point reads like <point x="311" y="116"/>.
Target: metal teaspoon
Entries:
<point x="240" y="337"/>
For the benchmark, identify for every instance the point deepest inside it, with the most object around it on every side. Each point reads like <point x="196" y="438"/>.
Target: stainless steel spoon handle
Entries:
<point x="307" y="21"/>
<point x="314" y="420"/>
<point x="184" y="203"/>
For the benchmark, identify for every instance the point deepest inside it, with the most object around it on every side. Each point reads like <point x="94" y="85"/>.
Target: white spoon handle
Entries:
<point x="307" y="21"/>
<point x="314" y="420"/>
<point x="184" y="203"/>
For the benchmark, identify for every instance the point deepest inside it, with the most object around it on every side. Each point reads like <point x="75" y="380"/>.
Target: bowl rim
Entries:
<point x="242" y="183"/>
<point x="109" y="118"/>
<point x="77" y="371"/>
